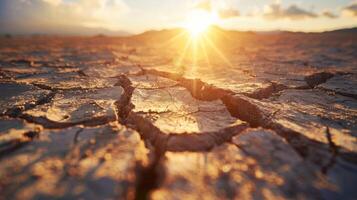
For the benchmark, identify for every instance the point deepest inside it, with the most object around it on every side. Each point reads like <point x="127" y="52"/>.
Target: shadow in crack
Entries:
<point x="166" y="113"/>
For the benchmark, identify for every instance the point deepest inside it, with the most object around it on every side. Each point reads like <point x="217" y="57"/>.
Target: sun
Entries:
<point x="198" y="22"/>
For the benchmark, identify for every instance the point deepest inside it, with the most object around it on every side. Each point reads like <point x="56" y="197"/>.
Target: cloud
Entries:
<point x="87" y="13"/>
<point x="276" y="11"/>
<point x="329" y="14"/>
<point x="53" y="2"/>
<point x="228" y="13"/>
<point x="223" y="12"/>
<point x="203" y="5"/>
<point x="350" y="10"/>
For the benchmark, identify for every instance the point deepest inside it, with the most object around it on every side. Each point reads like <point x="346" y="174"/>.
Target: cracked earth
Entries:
<point x="117" y="118"/>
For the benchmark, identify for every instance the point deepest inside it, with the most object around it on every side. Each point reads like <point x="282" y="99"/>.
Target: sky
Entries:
<point x="135" y="16"/>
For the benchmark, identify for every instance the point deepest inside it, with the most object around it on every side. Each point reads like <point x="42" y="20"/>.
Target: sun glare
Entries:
<point x="202" y="42"/>
<point x="198" y="22"/>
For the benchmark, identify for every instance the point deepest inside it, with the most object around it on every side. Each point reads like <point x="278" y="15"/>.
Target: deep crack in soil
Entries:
<point x="149" y="177"/>
<point x="241" y="107"/>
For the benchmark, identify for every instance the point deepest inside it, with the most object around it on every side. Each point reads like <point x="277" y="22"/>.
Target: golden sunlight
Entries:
<point x="198" y="22"/>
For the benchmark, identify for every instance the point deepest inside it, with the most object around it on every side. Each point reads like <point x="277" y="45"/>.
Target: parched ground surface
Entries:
<point x="256" y="117"/>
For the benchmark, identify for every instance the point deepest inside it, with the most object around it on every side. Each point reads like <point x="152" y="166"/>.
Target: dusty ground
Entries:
<point x="267" y="117"/>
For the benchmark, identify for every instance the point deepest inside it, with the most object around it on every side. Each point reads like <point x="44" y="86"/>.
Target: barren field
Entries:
<point x="256" y="116"/>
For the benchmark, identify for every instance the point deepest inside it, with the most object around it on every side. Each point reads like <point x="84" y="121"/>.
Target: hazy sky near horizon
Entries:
<point x="51" y="16"/>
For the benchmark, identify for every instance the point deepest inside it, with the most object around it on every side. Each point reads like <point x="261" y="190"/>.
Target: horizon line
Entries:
<point x="123" y="33"/>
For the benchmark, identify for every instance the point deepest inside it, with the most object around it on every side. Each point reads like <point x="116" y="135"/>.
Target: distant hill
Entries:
<point x="164" y="33"/>
<point x="58" y="30"/>
<point x="171" y="32"/>
<point x="346" y="30"/>
<point x="147" y="35"/>
<point x="337" y="31"/>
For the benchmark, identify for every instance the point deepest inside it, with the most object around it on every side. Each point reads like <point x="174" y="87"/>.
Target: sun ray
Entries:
<point x="216" y="50"/>
<point x="174" y="39"/>
<point x="199" y="45"/>
<point x="183" y="54"/>
<point x="203" y="49"/>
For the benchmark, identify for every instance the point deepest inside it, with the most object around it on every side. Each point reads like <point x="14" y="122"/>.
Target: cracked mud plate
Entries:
<point x="130" y="118"/>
